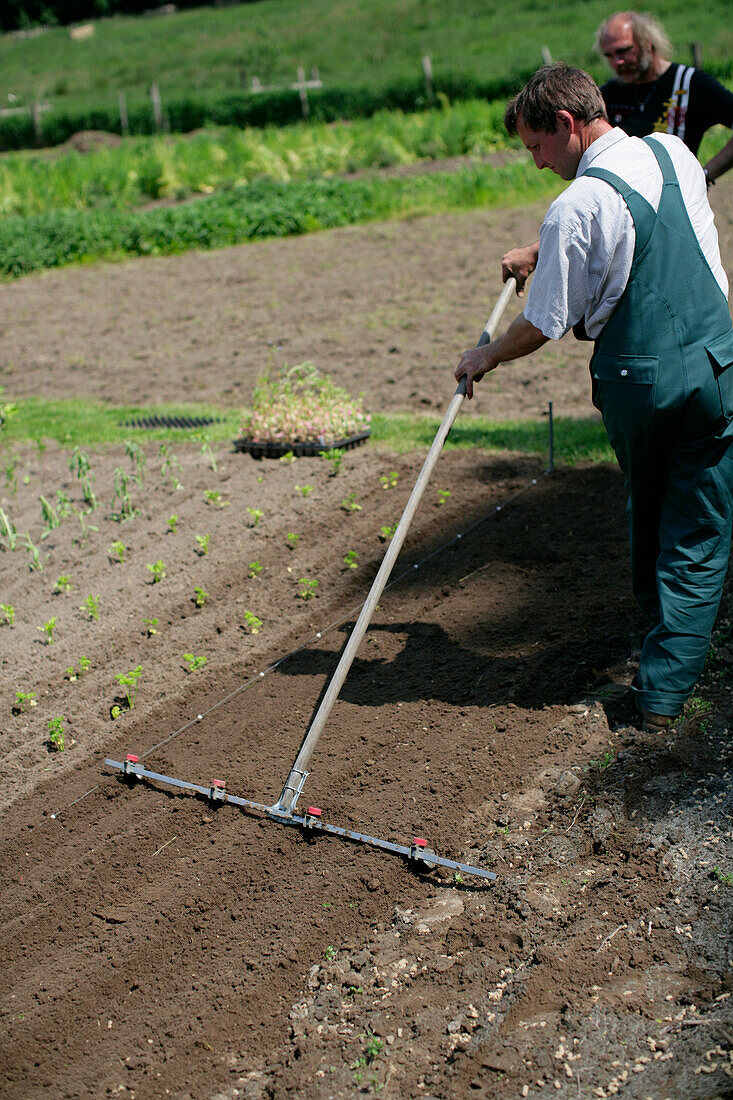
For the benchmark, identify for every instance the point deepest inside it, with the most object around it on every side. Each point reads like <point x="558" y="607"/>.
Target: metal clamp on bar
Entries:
<point x="419" y="849"/>
<point x="312" y="819"/>
<point x="132" y="765"/>
<point x="285" y="805"/>
<point x="217" y="790"/>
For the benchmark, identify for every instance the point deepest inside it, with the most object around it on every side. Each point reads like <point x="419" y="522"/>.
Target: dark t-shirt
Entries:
<point x="641" y="109"/>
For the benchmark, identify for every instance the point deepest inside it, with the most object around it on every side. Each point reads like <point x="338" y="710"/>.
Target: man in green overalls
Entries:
<point x="629" y="253"/>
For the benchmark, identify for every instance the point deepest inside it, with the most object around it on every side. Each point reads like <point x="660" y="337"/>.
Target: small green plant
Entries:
<point x="24" y="700"/>
<point x="288" y="458"/>
<point x="726" y="877"/>
<point x="91" y="606"/>
<point x="307" y="588"/>
<point x="351" y="559"/>
<point x="84" y="665"/>
<point x="255" y="568"/>
<point x="128" y="681"/>
<point x="117" y="551"/>
<point x="35" y="563"/>
<point x="169" y="465"/>
<point x="151" y="627"/>
<point x="386" y="532"/>
<point x="213" y="496"/>
<point x="172" y="523"/>
<point x="443" y="495"/>
<point x="203" y="545"/>
<point x="349" y="503"/>
<point x="50" y="517"/>
<point x="252" y="623"/>
<point x="330" y="953"/>
<point x="199" y="596"/>
<point x="255" y="515"/>
<point x="139" y="463"/>
<point x="88" y="494"/>
<point x="193" y="662"/>
<point x="389" y="481"/>
<point x="79" y="463"/>
<point x="604" y="762"/>
<point x="56" y="733"/>
<point x="336" y="457"/>
<point x="304" y="490"/>
<point x="81" y="540"/>
<point x="206" y="450"/>
<point x="63" y="504"/>
<point x="292" y="539"/>
<point x="125" y="510"/>
<point x="7" y="530"/>
<point x="8" y="613"/>
<point x="48" y="629"/>
<point x="159" y="571"/>
<point x="63" y="584"/>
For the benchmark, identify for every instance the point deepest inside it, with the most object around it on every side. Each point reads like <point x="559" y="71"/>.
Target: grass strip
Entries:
<point x="82" y="423"/>
<point x="259" y="210"/>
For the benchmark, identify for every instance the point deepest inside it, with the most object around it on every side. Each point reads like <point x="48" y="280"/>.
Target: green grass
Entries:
<point x="353" y="42"/>
<point x="86" y="424"/>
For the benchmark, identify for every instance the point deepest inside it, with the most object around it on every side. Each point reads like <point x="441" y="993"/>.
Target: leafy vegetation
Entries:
<point x="300" y="405"/>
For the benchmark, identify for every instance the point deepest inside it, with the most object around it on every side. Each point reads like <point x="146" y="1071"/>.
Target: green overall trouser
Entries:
<point x="662" y="384"/>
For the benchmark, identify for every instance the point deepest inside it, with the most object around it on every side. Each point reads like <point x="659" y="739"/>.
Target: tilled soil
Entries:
<point x="158" y="944"/>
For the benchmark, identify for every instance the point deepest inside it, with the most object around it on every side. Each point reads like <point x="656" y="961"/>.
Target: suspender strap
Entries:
<point x="679" y="101"/>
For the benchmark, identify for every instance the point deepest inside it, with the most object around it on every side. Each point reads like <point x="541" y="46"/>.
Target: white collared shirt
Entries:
<point x="587" y="237"/>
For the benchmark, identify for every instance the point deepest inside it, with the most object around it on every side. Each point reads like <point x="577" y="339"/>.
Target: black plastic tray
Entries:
<point x="300" y="450"/>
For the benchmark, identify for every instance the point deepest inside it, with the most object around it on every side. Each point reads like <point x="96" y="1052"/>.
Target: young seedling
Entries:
<point x="158" y="569"/>
<point x="307" y="588"/>
<point x="81" y="540"/>
<point x="330" y="953"/>
<point x="168" y="467"/>
<point x="252" y="623"/>
<point x="255" y="515"/>
<point x="443" y="495"/>
<point x="63" y="584"/>
<point x="255" y="568"/>
<point x="349" y="503"/>
<point x="389" y="481"/>
<point x="79" y="463"/>
<point x="56" y="733"/>
<point x="84" y="665"/>
<point x="137" y="456"/>
<point x="35" y="563"/>
<point x="172" y="523"/>
<point x="304" y="490"/>
<point x="24" y="700"/>
<point x="50" y="516"/>
<point x="193" y="662"/>
<point x="7" y="530"/>
<point x="206" y="450"/>
<point x="288" y="458"/>
<point x="117" y="551"/>
<point x="199" y="596"/>
<point x="8" y="613"/>
<point x="351" y="559"/>
<point x="726" y="877"/>
<point x="91" y="606"/>
<point x="292" y="539"/>
<point x="88" y="494"/>
<point x="150" y="627"/>
<point x="128" y="681"/>
<point x="213" y="496"/>
<point x="125" y="510"/>
<point x="63" y="504"/>
<point x="48" y="629"/>
<point x="386" y="532"/>
<point x="203" y="541"/>
<point x="335" y="457"/>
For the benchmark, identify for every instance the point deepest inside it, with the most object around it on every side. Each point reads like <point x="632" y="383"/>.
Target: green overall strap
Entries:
<point x="642" y="212"/>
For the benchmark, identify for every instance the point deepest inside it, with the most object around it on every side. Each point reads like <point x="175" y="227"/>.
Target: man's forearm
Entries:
<point x="520" y="339"/>
<point x="720" y="163"/>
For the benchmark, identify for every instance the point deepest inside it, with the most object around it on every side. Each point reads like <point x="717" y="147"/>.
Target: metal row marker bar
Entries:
<point x="418" y="851"/>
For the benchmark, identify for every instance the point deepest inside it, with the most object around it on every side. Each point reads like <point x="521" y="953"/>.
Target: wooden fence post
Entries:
<point x="546" y="56"/>
<point x="157" y="106"/>
<point x="36" y="115"/>
<point x="427" y="69"/>
<point x="302" y="87"/>
<point x="124" y="122"/>
<point x="696" y="51"/>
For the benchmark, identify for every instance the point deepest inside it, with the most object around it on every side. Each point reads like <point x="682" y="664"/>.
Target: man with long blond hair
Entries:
<point x="653" y="94"/>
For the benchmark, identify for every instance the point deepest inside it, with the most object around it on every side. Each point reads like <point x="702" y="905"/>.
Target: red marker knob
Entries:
<point x="219" y="783"/>
<point x="420" y="842"/>
<point x="314" y="811"/>
<point x="131" y="759"/>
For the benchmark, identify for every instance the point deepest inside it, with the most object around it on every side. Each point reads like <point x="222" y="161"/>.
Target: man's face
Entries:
<point x="629" y="59"/>
<point x="560" y="152"/>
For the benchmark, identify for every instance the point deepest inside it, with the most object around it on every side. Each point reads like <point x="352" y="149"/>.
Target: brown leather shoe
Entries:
<point x="655" y="723"/>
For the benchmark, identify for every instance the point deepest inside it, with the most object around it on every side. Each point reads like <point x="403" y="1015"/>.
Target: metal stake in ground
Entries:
<point x="299" y="771"/>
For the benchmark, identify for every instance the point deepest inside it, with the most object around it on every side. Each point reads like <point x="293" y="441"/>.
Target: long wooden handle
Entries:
<point x="299" y="771"/>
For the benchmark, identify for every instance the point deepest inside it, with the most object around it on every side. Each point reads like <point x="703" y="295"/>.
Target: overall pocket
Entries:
<point x="720" y="354"/>
<point x="624" y="388"/>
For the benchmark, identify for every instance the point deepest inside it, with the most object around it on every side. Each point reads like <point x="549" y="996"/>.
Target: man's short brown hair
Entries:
<point x="555" y="88"/>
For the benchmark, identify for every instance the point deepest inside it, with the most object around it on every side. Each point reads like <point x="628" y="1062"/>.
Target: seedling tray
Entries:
<point x="300" y="450"/>
<point x="172" y="422"/>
